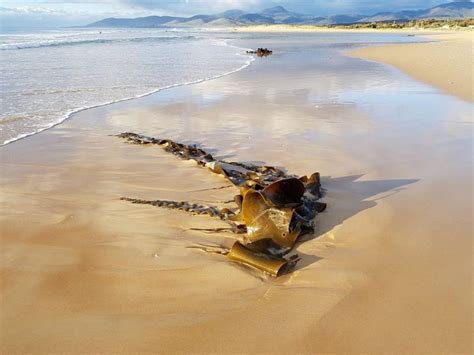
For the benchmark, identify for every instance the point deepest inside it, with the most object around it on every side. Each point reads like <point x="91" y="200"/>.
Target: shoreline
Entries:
<point x="69" y="114"/>
<point x="426" y="62"/>
<point x="453" y="46"/>
<point x="76" y="111"/>
<point x="376" y="53"/>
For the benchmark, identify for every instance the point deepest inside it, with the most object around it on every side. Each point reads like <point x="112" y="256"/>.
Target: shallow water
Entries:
<point x="46" y="76"/>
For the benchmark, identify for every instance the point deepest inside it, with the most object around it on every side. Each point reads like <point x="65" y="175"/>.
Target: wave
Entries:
<point x="69" y="42"/>
<point x="68" y="114"/>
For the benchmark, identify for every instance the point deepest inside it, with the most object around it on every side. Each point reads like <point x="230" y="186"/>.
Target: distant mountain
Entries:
<point x="444" y="11"/>
<point x="279" y="15"/>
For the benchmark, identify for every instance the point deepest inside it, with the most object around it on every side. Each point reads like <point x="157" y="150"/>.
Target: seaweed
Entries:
<point x="261" y="52"/>
<point x="272" y="210"/>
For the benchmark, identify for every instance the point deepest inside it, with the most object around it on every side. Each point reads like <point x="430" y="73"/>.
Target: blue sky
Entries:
<point x="44" y="13"/>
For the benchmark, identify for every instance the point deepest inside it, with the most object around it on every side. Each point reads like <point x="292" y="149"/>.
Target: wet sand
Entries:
<point x="389" y="268"/>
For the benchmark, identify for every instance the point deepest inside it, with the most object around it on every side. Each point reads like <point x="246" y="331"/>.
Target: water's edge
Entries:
<point x="69" y="115"/>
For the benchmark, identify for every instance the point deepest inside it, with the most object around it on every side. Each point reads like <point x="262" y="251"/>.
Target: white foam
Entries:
<point x="67" y="115"/>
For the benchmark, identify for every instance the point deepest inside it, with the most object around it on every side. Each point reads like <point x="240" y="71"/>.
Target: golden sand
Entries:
<point x="447" y="62"/>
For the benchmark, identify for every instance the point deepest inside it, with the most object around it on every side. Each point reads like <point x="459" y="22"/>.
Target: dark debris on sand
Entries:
<point x="272" y="210"/>
<point x="261" y="52"/>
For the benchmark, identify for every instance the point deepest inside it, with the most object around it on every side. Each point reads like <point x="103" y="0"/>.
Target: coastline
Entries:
<point x="423" y="61"/>
<point x="427" y="62"/>
<point x="67" y="114"/>
<point x="82" y="270"/>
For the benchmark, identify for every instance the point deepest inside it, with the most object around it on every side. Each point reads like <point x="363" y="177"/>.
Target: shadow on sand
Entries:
<point x="271" y="211"/>
<point x="358" y="196"/>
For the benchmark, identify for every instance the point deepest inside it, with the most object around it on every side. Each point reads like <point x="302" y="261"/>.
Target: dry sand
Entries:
<point x="447" y="62"/>
<point x="388" y="270"/>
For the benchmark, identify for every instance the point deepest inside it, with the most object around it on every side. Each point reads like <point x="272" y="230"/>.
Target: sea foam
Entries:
<point x="47" y="77"/>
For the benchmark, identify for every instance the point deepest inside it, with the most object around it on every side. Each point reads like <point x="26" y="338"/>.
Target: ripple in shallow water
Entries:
<point x="48" y="76"/>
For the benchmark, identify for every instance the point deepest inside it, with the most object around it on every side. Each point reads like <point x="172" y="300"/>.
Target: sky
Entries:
<point x="52" y="13"/>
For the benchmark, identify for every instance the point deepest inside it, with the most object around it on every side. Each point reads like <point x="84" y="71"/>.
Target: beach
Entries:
<point x="388" y="269"/>
<point x="427" y="61"/>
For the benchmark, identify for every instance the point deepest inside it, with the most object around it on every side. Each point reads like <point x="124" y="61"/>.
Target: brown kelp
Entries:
<point x="261" y="52"/>
<point x="273" y="209"/>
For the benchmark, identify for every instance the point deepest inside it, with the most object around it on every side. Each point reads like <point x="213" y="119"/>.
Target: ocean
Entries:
<point x="47" y="76"/>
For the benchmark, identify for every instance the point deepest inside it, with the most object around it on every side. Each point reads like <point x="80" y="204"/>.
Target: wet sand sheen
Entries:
<point x="387" y="270"/>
